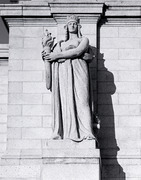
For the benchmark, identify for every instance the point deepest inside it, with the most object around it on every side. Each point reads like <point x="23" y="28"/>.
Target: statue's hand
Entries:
<point x="51" y="57"/>
<point x="87" y="57"/>
<point x="44" y="53"/>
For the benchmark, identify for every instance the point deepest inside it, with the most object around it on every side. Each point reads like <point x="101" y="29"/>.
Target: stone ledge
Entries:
<point x="71" y="153"/>
<point x="73" y="7"/>
<point x="63" y="144"/>
<point x="24" y="10"/>
<point x="54" y="151"/>
<point x="4" y="51"/>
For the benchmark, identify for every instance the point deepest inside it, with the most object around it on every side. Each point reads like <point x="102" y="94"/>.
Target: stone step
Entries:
<point x="71" y="153"/>
<point x="59" y="144"/>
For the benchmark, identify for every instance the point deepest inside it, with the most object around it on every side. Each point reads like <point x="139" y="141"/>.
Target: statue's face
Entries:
<point x="72" y="27"/>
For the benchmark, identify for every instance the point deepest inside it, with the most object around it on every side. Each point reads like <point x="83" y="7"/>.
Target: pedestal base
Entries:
<point x="71" y="172"/>
<point x="57" y="160"/>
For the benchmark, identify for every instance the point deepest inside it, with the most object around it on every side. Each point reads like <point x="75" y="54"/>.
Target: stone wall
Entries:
<point x="119" y="93"/>
<point x="29" y="101"/>
<point x="3" y="96"/>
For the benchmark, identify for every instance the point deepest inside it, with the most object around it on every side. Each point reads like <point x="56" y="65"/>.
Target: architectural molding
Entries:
<point x="118" y="21"/>
<point x="30" y="22"/>
<point x="123" y="10"/>
<point x="47" y="8"/>
<point x="4" y="51"/>
<point x="25" y="10"/>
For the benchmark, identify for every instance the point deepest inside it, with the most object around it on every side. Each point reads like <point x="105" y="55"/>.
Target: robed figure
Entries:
<point x="72" y="103"/>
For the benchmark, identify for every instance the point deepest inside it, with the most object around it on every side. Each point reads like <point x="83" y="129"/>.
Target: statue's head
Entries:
<point x="72" y="26"/>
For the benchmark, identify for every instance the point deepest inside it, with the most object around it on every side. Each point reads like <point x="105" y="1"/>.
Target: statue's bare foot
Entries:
<point x="89" y="138"/>
<point x="56" y="137"/>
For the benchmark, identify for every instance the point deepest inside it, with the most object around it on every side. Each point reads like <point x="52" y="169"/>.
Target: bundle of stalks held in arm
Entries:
<point x="47" y="43"/>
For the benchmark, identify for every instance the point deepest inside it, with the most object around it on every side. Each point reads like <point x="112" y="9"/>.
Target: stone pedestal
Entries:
<point x="59" y="159"/>
<point x="71" y="161"/>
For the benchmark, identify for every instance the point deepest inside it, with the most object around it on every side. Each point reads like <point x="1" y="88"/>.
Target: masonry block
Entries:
<point x="38" y="87"/>
<point x="15" y="65"/>
<point x="47" y="99"/>
<point x="3" y="118"/>
<point x="3" y="128"/>
<point x="134" y="76"/>
<point x="36" y="133"/>
<point x="25" y="76"/>
<point x="25" y="99"/>
<point x="24" y="144"/>
<point x="129" y="98"/>
<point x="92" y="29"/>
<point x="130" y="144"/>
<point x="32" y="42"/>
<point x="3" y="89"/>
<point x="15" y="87"/>
<point x="92" y="40"/>
<point x="127" y="87"/>
<point x="109" y="32"/>
<point x="14" y="133"/>
<point x="121" y="110"/>
<point x="16" y="42"/>
<point x="129" y="32"/>
<point x="16" y="32"/>
<point x="3" y="80"/>
<point x="3" y="99"/>
<point x="121" y="65"/>
<point x="119" y="43"/>
<point x="33" y="65"/>
<point x="25" y="54"/>
<point x="3" y="138"/>
<point x="33" y="32"/>
<point x="109" y="54"/>
<point x="133" y="171"/>
<point x="27" y="121"/>
<point x="47" y="121"/>
<point x="20" y="171"/>
<point x="14" y="110"/>
<point x="2" y="148"/>
<point x="77" y="171"/>
<point x="36" y="110"/>
<point x="129" y="121"/>
<point x="3" y="109"/>
<point x="127" y="133"/>
<point x="3" y="70"/>
<point x="129" y="54"/>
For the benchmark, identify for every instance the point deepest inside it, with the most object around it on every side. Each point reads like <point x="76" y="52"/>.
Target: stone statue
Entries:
<point x="72" y="112"/>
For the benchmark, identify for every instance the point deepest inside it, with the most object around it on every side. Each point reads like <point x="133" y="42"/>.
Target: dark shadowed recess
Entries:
<point x="106" y="87"/>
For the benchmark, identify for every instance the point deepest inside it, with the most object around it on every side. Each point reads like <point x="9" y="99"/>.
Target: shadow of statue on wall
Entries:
<point x="107" y="143"/>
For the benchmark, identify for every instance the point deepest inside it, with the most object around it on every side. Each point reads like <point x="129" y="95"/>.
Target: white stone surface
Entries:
<point x="71" y="172"/>
<point x="27" y="121"/>
<point x="20" y="172"/>
<point x="24" y="144"/>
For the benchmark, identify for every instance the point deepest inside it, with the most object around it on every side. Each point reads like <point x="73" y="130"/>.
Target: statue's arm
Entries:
<point x="69" y="54"/>
<point x="76" y="52"/>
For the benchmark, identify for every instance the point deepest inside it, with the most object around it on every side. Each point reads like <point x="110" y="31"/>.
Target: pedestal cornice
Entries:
<point x="47" y="9"/>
